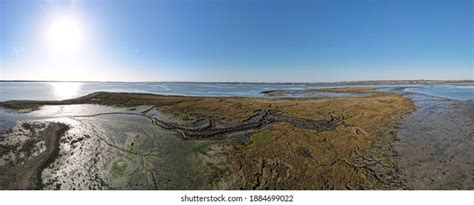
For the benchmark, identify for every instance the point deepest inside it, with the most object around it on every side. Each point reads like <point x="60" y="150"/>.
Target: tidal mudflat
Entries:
<point x="436" y="144"/>
<point x="338" y="138"/>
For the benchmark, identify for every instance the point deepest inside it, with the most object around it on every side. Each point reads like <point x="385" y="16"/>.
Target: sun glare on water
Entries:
<point x="65" y="90"/>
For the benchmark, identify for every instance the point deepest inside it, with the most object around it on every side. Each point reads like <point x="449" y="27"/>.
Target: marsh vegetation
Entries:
<point x="174" y="142"/>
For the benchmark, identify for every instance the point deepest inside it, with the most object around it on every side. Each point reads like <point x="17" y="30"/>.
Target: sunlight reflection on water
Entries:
<point x="64" y="90"/>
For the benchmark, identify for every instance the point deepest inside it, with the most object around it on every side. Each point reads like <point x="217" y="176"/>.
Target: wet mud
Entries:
<point x="23" y="161"/>
<point x="436" y="144"/>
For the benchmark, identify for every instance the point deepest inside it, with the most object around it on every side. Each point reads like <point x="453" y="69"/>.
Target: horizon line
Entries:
<point x="261" y="82"/>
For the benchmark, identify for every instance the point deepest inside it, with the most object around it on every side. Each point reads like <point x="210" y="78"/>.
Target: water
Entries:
<point x="8" y="119"/>
<point x="65" y="90"/>
<point x="455" y="92"/>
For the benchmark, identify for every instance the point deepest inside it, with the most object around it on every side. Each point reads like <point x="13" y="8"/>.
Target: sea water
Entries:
<point x="66" y="90"/>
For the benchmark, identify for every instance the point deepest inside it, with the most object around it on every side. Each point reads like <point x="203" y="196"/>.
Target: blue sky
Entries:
<point x="230" y="40"/>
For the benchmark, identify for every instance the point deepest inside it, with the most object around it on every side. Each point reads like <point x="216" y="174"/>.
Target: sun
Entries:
<point x="65" y="34"/>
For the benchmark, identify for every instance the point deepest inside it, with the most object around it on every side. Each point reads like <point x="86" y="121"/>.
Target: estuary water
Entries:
<point x="454" y="92"/>
<point x="65" y="90"/>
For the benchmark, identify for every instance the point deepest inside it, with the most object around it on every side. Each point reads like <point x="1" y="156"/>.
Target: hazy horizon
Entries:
<point x="236" y="41"/>
<point x="243" y="82"/>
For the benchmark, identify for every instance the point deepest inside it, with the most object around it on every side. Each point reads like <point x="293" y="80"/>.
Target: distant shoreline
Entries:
<point x="366" y="82"/>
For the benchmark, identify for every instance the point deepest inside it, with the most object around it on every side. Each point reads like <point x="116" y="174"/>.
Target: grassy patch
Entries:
<point x="203" y="148"/>
<point x="262" y="138"/>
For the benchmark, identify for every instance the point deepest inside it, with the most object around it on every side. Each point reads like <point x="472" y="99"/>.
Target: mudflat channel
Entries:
<point x="344" y="140"/>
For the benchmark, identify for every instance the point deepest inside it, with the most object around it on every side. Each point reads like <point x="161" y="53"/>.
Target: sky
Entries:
<point x="236" y="40"/>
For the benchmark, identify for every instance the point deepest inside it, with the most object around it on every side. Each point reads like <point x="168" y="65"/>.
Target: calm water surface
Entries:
<point x="65" y="90"/>
<point x="454" y="92"/>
